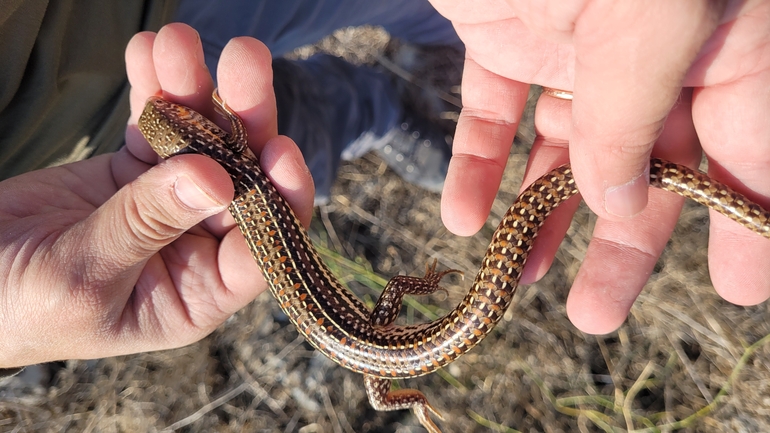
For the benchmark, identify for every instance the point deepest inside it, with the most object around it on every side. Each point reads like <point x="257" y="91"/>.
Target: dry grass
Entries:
<point x="685" y="359"/>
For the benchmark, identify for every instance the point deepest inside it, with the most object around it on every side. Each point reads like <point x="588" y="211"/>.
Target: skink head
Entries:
<point x="171" y="128"/>
<point x="158" y="124"/>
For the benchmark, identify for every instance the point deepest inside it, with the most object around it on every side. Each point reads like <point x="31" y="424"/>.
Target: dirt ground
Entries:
<point x="685" y="360"/>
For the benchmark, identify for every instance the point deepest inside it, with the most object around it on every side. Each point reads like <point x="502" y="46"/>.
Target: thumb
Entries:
<point x="154" y="210"/>
<point x="631" y="59"/>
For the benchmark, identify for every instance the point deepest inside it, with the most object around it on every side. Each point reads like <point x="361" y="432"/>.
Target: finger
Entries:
<point x="492" y="108"/>
<point x="550" y="150"/>
<point x="140" y="69"/>
<point x="181" y="69"/>
<point x="622" y="254"/>
<point x="126" y="167"/>
<point x="170" y="63"/>
<point x="624" y="89"/>
<point x="184" y="79"/>
<point x="246" y="86"/>
<point x="129" y="297"/>
<point x="146" y="215"/>
<point x="545" y="156"/>
<point x="732" y="121"/>
<point x="618" y="263"/>
<point x="283" y="163"/>
<point x="245" y="74"/>
<point x="144" y="83"/>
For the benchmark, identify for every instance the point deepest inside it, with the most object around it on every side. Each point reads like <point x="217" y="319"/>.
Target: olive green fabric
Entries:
<point x="63" y="86"/>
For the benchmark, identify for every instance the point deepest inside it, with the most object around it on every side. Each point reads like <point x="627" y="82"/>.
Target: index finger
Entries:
<point x="246" y="85"/>
<point x="492" y="109"/>
<point x="245" y="75"/>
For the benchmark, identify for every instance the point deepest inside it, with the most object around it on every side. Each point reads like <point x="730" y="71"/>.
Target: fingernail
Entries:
<point x="193" y="196"/>
<point x="629" y="199"/>
<point x="199" y="56"/>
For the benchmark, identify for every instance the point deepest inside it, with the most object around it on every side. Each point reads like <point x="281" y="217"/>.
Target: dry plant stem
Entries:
<point x="628" y="399"/>
<point x="209" y="407"/>
<point x="603" y="421"/>
<point x="337" y="323"/>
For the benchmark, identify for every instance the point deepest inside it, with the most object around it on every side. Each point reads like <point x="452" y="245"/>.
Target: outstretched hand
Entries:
<point x="115" y="254"/>
<point x="676" y="79"/>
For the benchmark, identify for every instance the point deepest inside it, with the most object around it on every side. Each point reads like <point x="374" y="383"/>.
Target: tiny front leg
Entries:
<point x="389" y="305"/>
<point x="382" y="398"/>
<point x="238" y="140"/>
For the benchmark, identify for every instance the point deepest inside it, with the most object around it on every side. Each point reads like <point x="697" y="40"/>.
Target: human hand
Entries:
<point x="682" y="77"/>
<point x="115" y="255"/>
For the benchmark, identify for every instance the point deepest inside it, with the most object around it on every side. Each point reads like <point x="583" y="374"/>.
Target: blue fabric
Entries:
<point x="324" y="103"/>
<point x="284" y="25"/>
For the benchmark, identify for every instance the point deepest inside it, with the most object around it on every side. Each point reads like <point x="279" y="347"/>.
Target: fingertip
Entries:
<point x="462" y="222"/>
<point x="606" y="286"/>
<point x="198" y="182"/>
<point x="245" y="55"/>
<point x="245" y="80"/>
<point x="192" y="186"/>
<point x="735" y="293"/>
<point x="586" y="321"/>
<point x="282" y="161"/>
<point x="181" y="68"/>
<point x="738" y="263"/>
<point x="469" y="191"/>
<point x="140" y="69"/>
<point x="136" y="144"/>
<point x="592" y="317"/>
<point x="629" y="199"/>
<point x="614" y="189"/>
<point x="457" y="221"/>
<point x="548" y="240"/>
<point x="142" y="40"/>
<point x="492" y="110"/>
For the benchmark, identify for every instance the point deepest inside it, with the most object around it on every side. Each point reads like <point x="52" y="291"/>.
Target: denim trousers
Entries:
<point x="328" y="106"/>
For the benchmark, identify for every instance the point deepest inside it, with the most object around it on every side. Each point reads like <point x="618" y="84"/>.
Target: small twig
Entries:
<point x="404" y="74"/>
<point x="259" y="392"/>
<point x="324" y="214"/>
<point x="289" y="347"/>
<point x="689" y="321"/>
<point x="330" y="409"/>
<point x="640" y="383"/>
<point x="490" y="424"/>
<point x="616" y="379"/>
<point x="690" y="369"/>
<point x="229" y="395"/>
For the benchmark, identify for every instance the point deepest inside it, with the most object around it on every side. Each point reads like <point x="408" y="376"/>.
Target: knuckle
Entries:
<point x="149" y="223"/>
<point x="631" y="143"/>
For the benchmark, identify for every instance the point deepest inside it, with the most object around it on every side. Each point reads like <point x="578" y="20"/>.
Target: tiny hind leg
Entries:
<point x="238" y="138"/>
<point x="388" y="305"/>
<point x="382" y="398"/>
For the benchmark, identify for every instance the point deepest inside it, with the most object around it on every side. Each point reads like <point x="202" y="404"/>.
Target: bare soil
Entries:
<point x="685" y="360"/>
